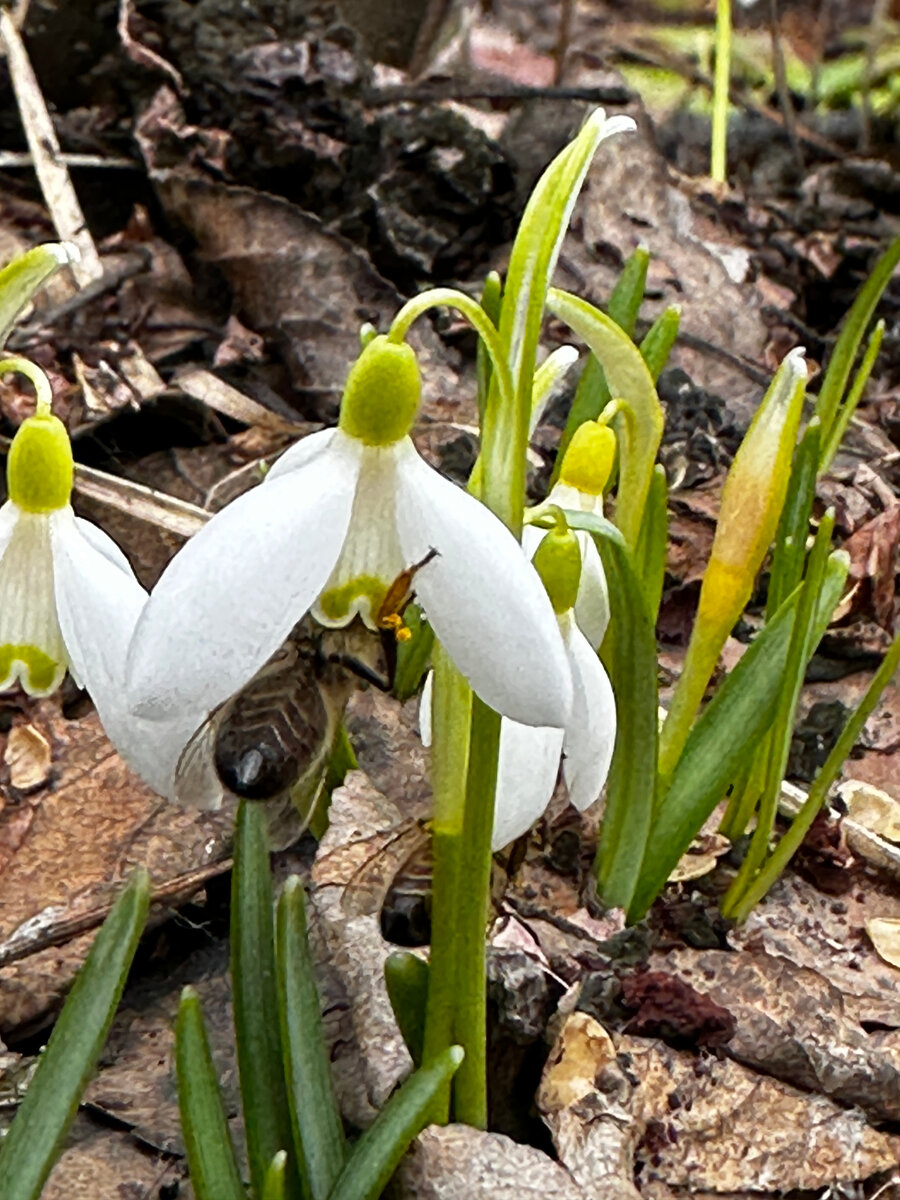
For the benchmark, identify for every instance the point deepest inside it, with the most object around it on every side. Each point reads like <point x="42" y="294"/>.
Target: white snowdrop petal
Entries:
<point x="483" y="598"/>
<point x="231" y="596"/>
<point x="300" y="454"/>
<point x="592" y="601"/>
<point x="532" y="536"/>
<point x="526" y="777"/>
<point x="99" y="601"/>
<point x="31" y="645"/>
<point x="590" y="734"/>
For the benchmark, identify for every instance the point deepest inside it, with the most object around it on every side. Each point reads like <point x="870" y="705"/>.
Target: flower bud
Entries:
<point x="589" y="458"/>
<point x="558" y="562"/>
<point x="39" y="467"/>
<point x="381" y="397"/>
<point x="753" y="496"/>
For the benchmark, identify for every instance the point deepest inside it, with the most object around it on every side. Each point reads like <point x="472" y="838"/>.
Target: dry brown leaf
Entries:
<point x="885" y="935"/>
<point x="872" y="808"/>
<point x="28" y="757"/>
<point x="700" y="858"/>
<point x="790" y="1023"/>
<point x="84" y="834"/>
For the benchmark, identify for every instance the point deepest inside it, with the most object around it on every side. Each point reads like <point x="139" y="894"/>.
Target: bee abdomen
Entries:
<point x="268" y="740"/>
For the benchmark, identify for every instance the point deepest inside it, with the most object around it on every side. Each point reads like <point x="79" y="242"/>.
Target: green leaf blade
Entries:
<point x="32" y="1144"/>
<point x="204" y="1126"/>
<point x="318" y="1139"/>
<point x="263" y="1092"/>
<point x="377" y="1153"/>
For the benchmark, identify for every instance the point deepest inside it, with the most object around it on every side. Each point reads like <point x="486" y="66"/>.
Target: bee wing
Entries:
<point x="369" y="884"/>
<point x="196" y="783"/>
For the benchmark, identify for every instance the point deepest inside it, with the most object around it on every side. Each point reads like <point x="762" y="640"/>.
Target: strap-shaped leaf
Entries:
<point x="26" y="275"/>
<point x="629" y="379"/>
<point x="319" y="1140"/>
<point x="720" y="743"/>
<point x="34" y="1141"/>
<point x="377" y="1153"/>
<point x="266" y="1118"/>
<point x="204" y="1127"/>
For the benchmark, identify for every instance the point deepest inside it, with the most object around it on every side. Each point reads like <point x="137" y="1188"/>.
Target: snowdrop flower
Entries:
<point x="335" y="522"/>
<point x="585" y="469"/>
<point x="529" y="759"/>
<point x="68" y="598"/>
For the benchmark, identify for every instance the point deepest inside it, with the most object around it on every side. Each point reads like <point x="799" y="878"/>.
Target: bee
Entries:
<point x="273" y="738"/>
<point x="396" y="882"/>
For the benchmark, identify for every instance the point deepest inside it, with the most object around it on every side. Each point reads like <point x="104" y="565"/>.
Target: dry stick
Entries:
<point x="52" y="174"/>
<point x="32" y="937"/>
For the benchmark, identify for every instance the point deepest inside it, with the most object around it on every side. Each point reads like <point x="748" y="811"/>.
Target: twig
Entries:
<point x="450" y="89"/>
<point x="52" y="174"/>
<point x="31" y="937"/>
<point x="13" y="159"/>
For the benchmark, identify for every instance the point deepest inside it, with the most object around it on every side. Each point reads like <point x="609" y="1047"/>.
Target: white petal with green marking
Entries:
<point x="32" y="651"/>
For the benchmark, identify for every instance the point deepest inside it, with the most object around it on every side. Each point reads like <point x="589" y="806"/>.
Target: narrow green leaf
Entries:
<point x="406" y="979"/>
<point x="204" y="1127"/>
<point x="822" y="587"/>
<point x="719" y="745"/>
<point x="274" y="1186"/>
<point x="850" y="405"/>
<point x="377" y="1153"/>
<point x="531" y="265"/>
<point x="818" y="793"/>
<point x="36" y="1137"/>
<point x="628" y="378"/>
<point x="630" y="657"/>
<point x="315" y="1118"/>
<point x="628" y="294"/>
<point x="650" y="552"/>
<point x="835" y="382"/>
<point x="726" y="731"/>
<point x="266" y="1119"/>
<point x="793" y="526"/>
<point x="659" y="340"/>
<point x="491" y="297"/>
<point x="592" y="394"/>
<point x="21" y="279"/>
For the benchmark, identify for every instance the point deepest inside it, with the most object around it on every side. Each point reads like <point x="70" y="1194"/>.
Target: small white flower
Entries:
<point x="529" y="758"/>
<point x="339" y="517"/>
<point x="68" y="598"/>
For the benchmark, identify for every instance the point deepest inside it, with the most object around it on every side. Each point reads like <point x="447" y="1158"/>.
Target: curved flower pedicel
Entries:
<point x="583" y="475"/>
<point x="529" y="759"/>
<point x="68" y="598"/>
<point x="338" y="518"/>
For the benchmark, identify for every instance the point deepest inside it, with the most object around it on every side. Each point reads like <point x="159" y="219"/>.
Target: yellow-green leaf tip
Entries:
<point x="589" y="458"/>
<point x="382" y="394"/>
<point x="39" y="467"/>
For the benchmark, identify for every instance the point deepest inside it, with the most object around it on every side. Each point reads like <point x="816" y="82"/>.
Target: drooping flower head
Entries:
<point x="338" y="518"/>
<point x="583" y="476"/>
<point x="68" y="598"/>
<point x="529" y="760"/>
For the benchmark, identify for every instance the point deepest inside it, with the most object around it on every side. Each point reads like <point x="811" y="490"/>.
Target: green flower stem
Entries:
<point x="721" y="84"/>
<point x="818" y="793"/>
<point x="450" y="721"/>
<point x="36" y="377"/>
<point x="474" y="885"/>
<point x="477" y="318"/>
